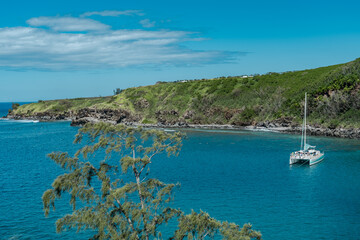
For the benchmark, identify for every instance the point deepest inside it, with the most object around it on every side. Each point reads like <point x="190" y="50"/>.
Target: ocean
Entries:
<point x="238" y="176"/>
<point x="5" y="106"/>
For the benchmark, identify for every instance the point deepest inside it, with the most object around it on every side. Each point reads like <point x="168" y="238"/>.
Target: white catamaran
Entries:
<point x="307" y="154"/>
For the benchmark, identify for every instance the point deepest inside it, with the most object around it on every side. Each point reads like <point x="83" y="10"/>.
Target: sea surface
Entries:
<point x="238" y="176"/>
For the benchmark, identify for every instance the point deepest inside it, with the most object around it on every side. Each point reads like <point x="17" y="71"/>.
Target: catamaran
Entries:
<point x="308" y="154"/>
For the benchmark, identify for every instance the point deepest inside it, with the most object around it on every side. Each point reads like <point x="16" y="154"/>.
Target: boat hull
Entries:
<point x="310" y="160"/>
<point x="317" y="160"/>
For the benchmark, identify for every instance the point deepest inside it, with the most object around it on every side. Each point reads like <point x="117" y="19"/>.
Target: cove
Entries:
<point x="238" y="176"/>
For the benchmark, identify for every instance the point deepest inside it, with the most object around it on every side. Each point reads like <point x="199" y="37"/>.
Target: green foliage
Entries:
<point x="351" y="118"/>
<point x="113" y="211"/>
<point x="248" y="114"/>
<point x="113" y="205"/>
<point x="202" y="226"/>
<point x="14" y="106"/>
<point x="117" y="91"/>
<point x="197" y="226"/>
<point x="270" y="96"/>
<point x="231" y="231"/>
<point x="148" y="121"/>
<point x="333" y="123"/>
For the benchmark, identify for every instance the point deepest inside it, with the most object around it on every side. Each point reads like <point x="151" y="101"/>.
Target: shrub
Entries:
<point x="14" y="106"/>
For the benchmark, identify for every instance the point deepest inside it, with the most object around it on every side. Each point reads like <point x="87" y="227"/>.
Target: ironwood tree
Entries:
<point x="116" y="197"/>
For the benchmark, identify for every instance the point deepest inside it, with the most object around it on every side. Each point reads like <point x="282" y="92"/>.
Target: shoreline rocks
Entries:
<point x="85" y="115"/>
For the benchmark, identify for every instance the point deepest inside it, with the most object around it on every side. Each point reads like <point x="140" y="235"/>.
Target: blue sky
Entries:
<point x="67" y="49"/>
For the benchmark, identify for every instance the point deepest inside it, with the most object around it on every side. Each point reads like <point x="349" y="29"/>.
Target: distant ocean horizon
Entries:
<point x="5" y="106"/>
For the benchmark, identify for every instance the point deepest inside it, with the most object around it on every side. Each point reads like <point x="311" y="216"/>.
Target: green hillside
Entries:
<point x="333" y="92"/>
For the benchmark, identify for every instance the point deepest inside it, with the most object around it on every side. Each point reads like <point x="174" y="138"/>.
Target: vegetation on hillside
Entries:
<point x="333" y="93"/>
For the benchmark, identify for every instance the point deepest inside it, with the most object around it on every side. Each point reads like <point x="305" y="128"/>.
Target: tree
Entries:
<point x="112" y="204"/>
<point x="201" y="226"/>
<point x="117" y="91"/>
<point x="197" y="226"/>
<point x="15" y="105"/>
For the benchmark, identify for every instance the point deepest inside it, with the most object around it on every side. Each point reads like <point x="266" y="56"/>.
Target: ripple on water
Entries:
<point x="238" y="176"/>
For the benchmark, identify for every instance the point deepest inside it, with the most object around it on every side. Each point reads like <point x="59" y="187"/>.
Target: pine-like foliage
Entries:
<point x="118" y="209"/>
<point x="196" y="226"/>
<point x="118" y="199"/>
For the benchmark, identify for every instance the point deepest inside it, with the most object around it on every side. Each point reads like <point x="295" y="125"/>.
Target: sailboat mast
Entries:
<point x="302" y="136"/>
<point x="305" y="121"/>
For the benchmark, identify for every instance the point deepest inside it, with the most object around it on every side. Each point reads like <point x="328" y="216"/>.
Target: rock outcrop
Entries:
<point x="172" y="118"/>
<point x="82" y="116"/>
<point x="288" y="126"/>
<point x="42" y="116"/>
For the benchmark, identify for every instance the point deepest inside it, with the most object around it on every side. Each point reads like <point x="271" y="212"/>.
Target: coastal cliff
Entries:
<point x="270" y="101"/>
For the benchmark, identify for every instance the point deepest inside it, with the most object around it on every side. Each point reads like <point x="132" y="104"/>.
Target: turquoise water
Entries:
<point x="5" y="106"/>
<point x="235" y="176"/>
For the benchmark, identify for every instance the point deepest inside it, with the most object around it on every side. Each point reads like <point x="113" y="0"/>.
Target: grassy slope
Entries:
<point x="236" y="99"/>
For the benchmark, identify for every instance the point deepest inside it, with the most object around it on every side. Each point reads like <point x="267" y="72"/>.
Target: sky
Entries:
<point x="69" y="49"/>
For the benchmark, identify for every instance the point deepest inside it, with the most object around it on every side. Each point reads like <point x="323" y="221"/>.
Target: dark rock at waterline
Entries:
<point x="171" y="118"/>
<point x="284" y="121"/>
<point x="79" y="121"/>
<point x="41" y="116"/>
<point x="181" y="124"/>
<point x="86" y="115"/>
<point x="320" y="131"/>
<point x="117" y="115"/>
<point x="241" y="123"/>
<point x="81" y="116"/>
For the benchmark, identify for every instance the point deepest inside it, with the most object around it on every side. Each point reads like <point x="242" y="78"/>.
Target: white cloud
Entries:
<point x="24" y="48"/>
<point x="68" y="24"/>
<point x="146" y="23"/>
<point x="113" y="13"/>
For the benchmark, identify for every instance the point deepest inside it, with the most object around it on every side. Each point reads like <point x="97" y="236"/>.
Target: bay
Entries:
<point x="238" y="176"/>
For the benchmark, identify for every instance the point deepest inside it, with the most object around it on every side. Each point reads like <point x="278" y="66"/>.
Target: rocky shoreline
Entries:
<point x="83" y="116"/>
<point x="314" y="131"/>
